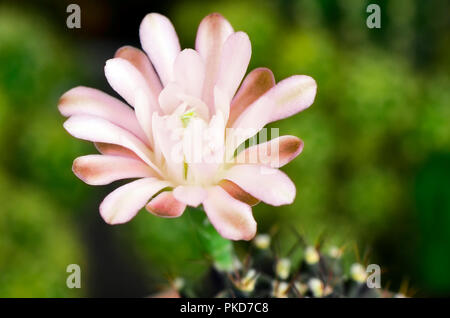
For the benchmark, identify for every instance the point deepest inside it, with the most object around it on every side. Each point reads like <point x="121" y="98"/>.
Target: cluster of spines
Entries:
<point x="320" y="273"/>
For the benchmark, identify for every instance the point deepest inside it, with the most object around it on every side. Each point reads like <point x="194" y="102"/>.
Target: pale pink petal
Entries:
<point x="96" y="129"/>
<point x="190" y="195"/>
<point x="194" y="148"/>
<point x="236" y="54"/>
<point x="233" y="219"/>
<point x="121" y="205"/>
<point x="211" y="35"/>
<point x="270" y="185"/>
<point x="101" y="169"/>
<point x="201" y="109"/>
<point x="160" y="41"/>
<point x="274" y="153"/>
<point x="167" y="144"/>
<point x="206" y="154"/>
<point x="165" y="205"/>
<point x="189" y="72"/>
<point x="172" y="96"/>
<point x="89" y="101"/>
<point x="255" y="84"/>
<point x="287" y="98"/>
<point x="126" y="80"/>
<point x="168" y="99"/>
<point x="222" y="103"/>
<point x="236" y="192"/>
<point x="141" y="62"/>
<point x="115" y="150"/>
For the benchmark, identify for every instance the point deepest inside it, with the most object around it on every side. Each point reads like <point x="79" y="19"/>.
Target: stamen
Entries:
<point x="186" y="117"/>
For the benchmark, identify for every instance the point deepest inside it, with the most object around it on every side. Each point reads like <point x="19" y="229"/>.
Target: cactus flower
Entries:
<point x="179" y="139"/>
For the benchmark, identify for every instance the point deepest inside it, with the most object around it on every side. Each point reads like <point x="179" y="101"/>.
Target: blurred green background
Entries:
<point x="375" y="171"/>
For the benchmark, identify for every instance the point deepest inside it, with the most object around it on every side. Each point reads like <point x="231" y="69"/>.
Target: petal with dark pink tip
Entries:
<point x="287" y="98"/>
<point x="96" y="129"/>
<point x="89" y="101"/>
<point x="236" y="192"/>
<point x="160" y="41"/>
<point x="271" y="186"/>
<point x="165" y="205"/>
<point x="236" y="54"/>
<point x="121" y="205"/>
<point x="141" y="62"/>
<point x="255" y="84"/>
<point x="274" y="153"/>
<point x="101" y="169"/>
<point x="212" y="33"/>
<point x="126" y="80"/>
<point x="232" y="218"/>
<point x="115" y="150"/>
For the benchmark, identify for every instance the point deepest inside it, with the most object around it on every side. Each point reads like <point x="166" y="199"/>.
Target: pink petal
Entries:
<point x="141" y="62"/>
<point x="167" y="145"/>
<point x="211" y="35"/>
<point x="201" y="109"/>
<point x="287" y="98"/>
<point x="165" y="205"/>
<point x="126" y="80"/>
<point x="206" y="152"/>
<point x="271" y="186"/>
<point x="121" y="205"/>
<point x="236" y="54"/>
<point x="168" y="99"/>
<point x="189" y="72"/>
<point x="100" y="169"/>
<point x="255" y="84"/>
<point x="96" y="129"/>
<point x="160" y="41"/>
<point x="89" y="101"/>
<point x="233" y="219"/>
<point x="173" y="95"/>
<point x="190" y="195"/>
<point x="274" y="153"/>
<point x="115" y="150"/>
<point x="222" y="103"/>
<point x="236" y="192"/>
